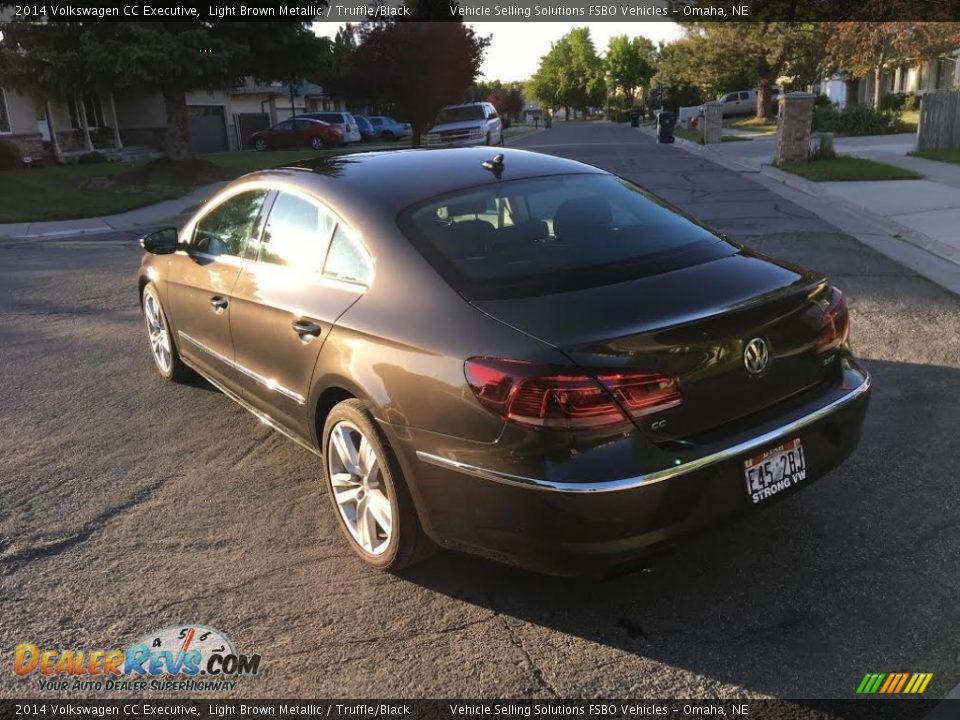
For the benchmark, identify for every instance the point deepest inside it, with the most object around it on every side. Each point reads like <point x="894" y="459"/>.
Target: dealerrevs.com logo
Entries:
<point x="180" y="658"/>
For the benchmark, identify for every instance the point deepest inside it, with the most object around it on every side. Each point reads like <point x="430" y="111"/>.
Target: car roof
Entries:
<point x="400" y="178"/>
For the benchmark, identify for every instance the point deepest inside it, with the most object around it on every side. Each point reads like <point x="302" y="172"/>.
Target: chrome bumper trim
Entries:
<point x="660" y="475"/>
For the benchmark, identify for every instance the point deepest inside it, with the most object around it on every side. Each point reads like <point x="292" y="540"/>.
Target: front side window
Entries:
<point x="543" y="235"/>
<point x="732" y="97"/>
<point x="297" y="233"/>
<point x="377" y="122"/>
<point x="348" y="259"/>
<point x="227" y="228"/>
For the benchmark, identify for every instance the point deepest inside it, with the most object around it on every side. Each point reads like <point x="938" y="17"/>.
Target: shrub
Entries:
<point x="911" y="102"/>
<point x="92" y="158"/>
<point x="822" y="101"/>
<point x="10" y="158"/>
<point x="892" y="102"/>
<point x="864" y="120"/>
<point x="826" y="118"/>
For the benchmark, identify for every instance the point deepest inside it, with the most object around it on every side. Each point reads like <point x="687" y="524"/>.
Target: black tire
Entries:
<point x="489" y="139"/>
<point x="408" y="544"/>
<point x="174" y="370"/>
<point x="316" y="142"/>
<point x="259" y="144"/>
<point x="501" y="143"/>
<point x="387" y="135"/>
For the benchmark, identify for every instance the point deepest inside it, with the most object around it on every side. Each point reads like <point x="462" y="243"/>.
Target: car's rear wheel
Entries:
<point x="368" y="491"/>
<point x="501" y="143"/>
<point x="387" y="135"/>
<point x="259" y="144"/>
<point x="488" y="139"/>
<point x="162" y="348"/>
<point x="317" y="143"/>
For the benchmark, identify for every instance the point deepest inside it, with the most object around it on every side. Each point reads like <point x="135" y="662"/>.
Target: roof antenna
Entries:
<point x="495" y="166"/>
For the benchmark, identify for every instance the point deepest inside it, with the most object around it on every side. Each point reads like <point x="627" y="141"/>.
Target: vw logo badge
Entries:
<point x="756" y="356"/>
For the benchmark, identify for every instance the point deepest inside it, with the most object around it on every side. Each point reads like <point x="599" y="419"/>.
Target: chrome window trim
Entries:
<point x="265" y="381"/>
<point x="630" y="483"/>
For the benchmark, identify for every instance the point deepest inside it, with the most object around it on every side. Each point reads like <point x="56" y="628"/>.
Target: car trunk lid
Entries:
<point x="693" y="324"/>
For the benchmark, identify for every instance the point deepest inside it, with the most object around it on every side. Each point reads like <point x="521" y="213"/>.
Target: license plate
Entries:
<point x="775" y="470"/>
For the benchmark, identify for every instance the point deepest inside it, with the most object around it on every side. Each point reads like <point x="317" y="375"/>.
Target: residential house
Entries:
<point x="135" y="123"/>
<point x="940" y="74"/>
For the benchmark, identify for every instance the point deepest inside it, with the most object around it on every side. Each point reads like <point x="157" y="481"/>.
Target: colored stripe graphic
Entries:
<point x="894" y="683"/>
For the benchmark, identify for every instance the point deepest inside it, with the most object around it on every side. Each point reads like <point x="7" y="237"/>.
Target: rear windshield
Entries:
<point x="459" y="114"/>
<point x="553" y="234"/>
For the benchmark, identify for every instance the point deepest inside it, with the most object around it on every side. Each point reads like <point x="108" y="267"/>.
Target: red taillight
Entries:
<point x="835" y="323"/>
<point x="544" y="397"/>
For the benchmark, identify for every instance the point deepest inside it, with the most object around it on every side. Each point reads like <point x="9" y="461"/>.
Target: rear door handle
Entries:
<point x="218" y="303"/>
<point x="306" y="328"/>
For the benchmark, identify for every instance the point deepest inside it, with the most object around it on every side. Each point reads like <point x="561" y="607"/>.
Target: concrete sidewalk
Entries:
<point x="915" y="222"/>
<point x="169" y="211"/>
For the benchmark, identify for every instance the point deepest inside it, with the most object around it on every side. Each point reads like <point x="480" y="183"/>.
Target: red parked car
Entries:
<point x="297" y="132"/>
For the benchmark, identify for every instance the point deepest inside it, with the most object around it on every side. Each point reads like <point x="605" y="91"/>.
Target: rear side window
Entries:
<point x="227" y="228"/>
<point x="348" y="259"/>
<point x="744" y="96"/>
<point x="296" y="234"/>
<point x="543" y="235"/>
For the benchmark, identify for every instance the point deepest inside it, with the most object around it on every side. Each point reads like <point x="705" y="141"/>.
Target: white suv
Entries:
<point x="469" y="124"/>
<point x="342" y="121"/>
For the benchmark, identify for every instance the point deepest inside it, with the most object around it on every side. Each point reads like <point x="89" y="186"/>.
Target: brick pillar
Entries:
<point x="793" y="127"/>
<point x="712" y="122"/>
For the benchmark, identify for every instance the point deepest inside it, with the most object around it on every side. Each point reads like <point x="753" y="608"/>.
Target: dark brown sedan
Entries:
<point x="515" y="355"/>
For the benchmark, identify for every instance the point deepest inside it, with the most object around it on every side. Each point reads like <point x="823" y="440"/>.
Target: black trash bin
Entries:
<point x="635" y="118"/>
<point x="665" y="122"/>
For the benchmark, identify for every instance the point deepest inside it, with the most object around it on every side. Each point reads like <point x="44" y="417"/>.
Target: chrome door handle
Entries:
<point x="218" y="303"/>
<point x="306" y="327"/>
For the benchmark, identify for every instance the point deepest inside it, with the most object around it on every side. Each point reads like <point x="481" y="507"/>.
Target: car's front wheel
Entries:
<point x="387" y="135"/>
<point x="162" y="348"/>
<point x="368" y="491"/>
<point x="259" y="144"/>
<point x="317" y="143"/>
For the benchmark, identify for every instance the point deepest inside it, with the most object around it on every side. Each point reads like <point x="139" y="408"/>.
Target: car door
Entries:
<point x="281" y="134"/>
<point x="202" y="277"/>
<point x="309" y="269"/>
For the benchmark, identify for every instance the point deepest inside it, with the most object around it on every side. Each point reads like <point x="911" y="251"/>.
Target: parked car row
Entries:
<point x="328" y="129"/>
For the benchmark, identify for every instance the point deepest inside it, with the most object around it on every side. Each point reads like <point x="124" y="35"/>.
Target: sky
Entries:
<point x="517" y="47"/>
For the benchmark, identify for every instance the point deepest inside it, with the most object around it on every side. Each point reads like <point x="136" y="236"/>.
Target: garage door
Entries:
<point x="208" y="132"/>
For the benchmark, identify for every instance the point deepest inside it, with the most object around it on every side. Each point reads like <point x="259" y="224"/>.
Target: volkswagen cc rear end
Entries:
<point x="538" y="362"/>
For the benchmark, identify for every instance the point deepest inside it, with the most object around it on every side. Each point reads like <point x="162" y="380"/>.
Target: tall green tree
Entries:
<point x="416" y="67"/>
<point x="629" y="64"/>
<point x="760" y="51"/>
<point x="571" y="74"/>
<point x="862" y="49"/>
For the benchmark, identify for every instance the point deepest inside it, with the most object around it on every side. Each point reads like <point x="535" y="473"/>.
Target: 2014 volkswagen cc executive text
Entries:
<point x="515" y="355"/>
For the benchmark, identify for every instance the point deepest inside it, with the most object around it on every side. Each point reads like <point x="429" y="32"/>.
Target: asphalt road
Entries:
<point x="128" y="505"/>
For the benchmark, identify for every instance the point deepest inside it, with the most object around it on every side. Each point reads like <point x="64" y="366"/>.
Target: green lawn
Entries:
<point x="59" y="193"/>
<point x="845" y="167"/>
<point x="947" y="156"/>
<point x="749" y="122"/>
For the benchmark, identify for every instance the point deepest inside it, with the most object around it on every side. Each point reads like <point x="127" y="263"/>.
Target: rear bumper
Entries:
<point x="568" y="527"/>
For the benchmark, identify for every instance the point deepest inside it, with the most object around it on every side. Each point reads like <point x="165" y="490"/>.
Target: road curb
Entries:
<point x="926" y="256"/>
<point x="166" y="212"/>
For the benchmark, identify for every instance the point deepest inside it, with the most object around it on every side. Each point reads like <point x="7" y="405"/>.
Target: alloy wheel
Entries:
<point x="359" y="490"/>
<point x="158" y="332"/>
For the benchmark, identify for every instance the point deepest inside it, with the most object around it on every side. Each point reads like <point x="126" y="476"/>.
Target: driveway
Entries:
<point x="128" y="505"/>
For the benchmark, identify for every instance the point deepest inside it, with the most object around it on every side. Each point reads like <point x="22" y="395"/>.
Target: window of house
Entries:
<point x="5" y="127"/>
<point x="94" y="110"/>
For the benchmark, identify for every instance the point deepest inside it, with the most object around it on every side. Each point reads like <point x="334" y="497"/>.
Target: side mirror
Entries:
<point x="161" y="242"/>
